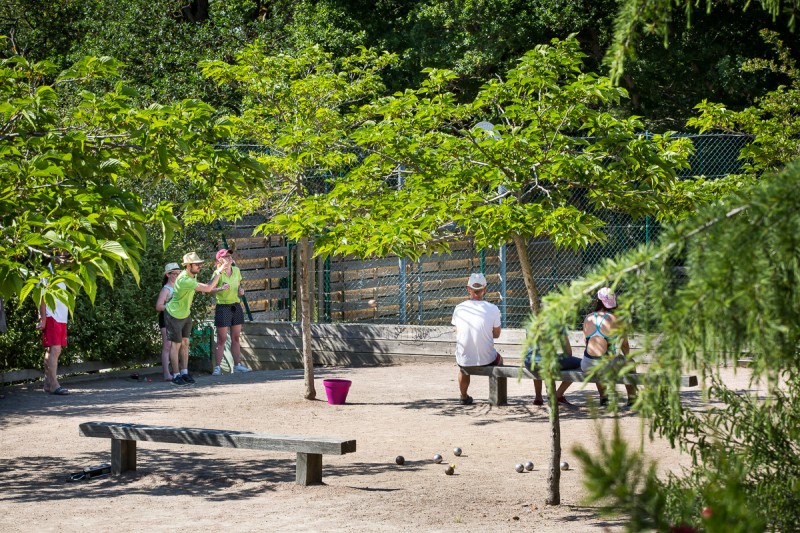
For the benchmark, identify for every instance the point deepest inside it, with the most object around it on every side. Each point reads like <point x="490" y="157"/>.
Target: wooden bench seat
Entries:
<point x="498" y="376"/>
<point x="309" y="449"/>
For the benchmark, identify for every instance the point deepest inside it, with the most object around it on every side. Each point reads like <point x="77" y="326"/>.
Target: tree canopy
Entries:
<point x="62" y="163"/>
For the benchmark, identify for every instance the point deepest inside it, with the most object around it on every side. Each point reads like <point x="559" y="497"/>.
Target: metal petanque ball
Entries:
<point x="437" y="458"/>
<point x="449" y="470"/>
<point x="456" y="451"/>
<point x="519" y="468"/>
<point x="399" y="459"/>
<point x="529" y="466"/>
<point x="564" y="465"/>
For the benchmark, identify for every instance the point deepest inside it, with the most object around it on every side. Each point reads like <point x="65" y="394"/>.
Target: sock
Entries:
<point x="184" y="371"/>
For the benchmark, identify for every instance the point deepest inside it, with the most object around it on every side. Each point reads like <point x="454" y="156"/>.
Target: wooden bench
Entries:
<point x="498" y="379"/>
<point x="309" y="449"/>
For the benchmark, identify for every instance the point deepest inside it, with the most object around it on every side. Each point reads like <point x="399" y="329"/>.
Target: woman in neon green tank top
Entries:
<point x="228" y="313"/>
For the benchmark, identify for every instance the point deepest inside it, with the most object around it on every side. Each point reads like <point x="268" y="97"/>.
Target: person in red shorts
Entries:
<point x="53" y="323"/>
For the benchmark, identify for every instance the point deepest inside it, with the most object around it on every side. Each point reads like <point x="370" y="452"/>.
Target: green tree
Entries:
<point x="300" y="106"/>
<point x="555" y="157"/>
<point x="638" y="18"/>
<point x="774" y="120"/>
<point x="65" y="172"/>
<point x="744" y="447"/>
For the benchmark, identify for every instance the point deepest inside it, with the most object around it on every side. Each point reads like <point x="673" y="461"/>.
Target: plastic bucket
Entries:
<point x="336" y="390"/>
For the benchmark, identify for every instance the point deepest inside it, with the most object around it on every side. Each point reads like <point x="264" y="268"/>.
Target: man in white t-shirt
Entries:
<point x="477" y="325"/>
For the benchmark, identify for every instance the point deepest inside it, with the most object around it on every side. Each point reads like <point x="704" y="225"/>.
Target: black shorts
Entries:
<point x="227" y="315"/>
<point x="161" y="323"/>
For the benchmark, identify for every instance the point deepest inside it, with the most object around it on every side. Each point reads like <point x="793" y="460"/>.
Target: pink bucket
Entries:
<point x="336" y="390"/>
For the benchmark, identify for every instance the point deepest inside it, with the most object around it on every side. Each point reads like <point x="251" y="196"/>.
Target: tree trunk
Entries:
<point x="527" y="274"/>
<point x="305" y="318"/>
<point x="196" y="11"/>
<point x="554" y="474"/>
<point x="554" y="477"/>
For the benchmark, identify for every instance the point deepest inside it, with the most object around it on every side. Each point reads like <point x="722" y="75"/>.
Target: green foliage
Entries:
<point x="774" y="122"/>
<point x="714" y="499"/>
<point x="300" y="106"/>
<point x="21" y="345"/>
<point x="745" y="447"/>
<point x="638" y="18"/>
<point x="61" y="172"/>
<point x="555" y="148"/>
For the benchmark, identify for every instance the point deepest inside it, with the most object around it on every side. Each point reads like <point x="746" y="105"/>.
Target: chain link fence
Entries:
<point x="397" y="290"/>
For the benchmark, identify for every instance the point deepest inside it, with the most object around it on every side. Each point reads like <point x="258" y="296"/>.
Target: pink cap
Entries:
<point x="607" y="297"/>
<point x="222" y="253"/>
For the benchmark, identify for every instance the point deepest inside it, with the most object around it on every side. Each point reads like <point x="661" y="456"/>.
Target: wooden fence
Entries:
<point x="390" y="290"/>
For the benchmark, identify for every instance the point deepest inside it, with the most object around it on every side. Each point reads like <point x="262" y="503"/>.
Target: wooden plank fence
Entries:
<point x="388" y="290"/>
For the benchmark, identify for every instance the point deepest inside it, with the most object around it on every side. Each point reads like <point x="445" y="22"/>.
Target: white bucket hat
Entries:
<point x="169" y="267"/>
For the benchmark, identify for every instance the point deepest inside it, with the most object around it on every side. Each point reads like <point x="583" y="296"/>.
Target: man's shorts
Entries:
<point x="493" y="363"/>
<point x="178" y="328"/>
<point x="54" y="333"/>
<point x="227" y="315"/>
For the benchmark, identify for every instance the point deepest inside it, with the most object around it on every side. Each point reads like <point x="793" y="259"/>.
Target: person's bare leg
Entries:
<point x="602" y="392"/>
<point x="463" y="384"/>
<point x="165" y="348"/>
<point x="537" y="390"/>
<point x="184" y="353"/>
<point x="219" y="350"/>
<point x="51" y="356"/>
<point x="562" y="389"/>
<point x="174" y="348"/>
<point x="632" y="393"/>
<point x="236" y="344"/>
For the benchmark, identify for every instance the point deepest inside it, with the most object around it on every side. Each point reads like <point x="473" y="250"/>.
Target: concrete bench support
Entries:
<point x="309" y="449"/>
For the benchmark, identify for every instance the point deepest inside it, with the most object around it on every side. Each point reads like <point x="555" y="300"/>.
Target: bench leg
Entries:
<point x="123" y="456"/>
<point x="498" y="390"/>
<point x="309" y="468"/>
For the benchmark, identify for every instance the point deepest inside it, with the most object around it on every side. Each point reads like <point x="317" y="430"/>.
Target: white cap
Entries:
<point x="477" y="281"/>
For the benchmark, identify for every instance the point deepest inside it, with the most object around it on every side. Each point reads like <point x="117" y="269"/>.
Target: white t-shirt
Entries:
<point x="61" y="312"/>
<point x="474" y="321"/>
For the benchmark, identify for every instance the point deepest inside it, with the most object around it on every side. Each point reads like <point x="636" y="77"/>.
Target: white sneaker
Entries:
<point x="241" y="368"/>
<point x="217" y="371"/>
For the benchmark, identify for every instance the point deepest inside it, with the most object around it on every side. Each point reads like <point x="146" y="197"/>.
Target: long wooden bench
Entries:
<point x="309" y="449"/>
<point x="498" y="379"/>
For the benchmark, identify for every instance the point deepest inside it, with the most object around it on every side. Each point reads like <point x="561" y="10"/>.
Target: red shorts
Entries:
<point x="54" y="333"/>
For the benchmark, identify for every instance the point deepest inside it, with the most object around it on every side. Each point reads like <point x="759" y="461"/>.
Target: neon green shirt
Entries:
<point x="230" y="296"/>
<point x="179" y="306"/>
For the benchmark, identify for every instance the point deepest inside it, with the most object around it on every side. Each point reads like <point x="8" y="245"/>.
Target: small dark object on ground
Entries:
<point x="91" y="472"/>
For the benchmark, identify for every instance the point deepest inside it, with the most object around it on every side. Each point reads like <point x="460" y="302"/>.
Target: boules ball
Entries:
<point x="457" y="451"/>
<point x="399" y="459"/>
<point x="437" y="458"/>
<point x="529" y="466"/>
<point x="564" y="465"/>
<point x="519" y="468"/>
<point x="449" y="470"/>
<point x="373" y="303"/>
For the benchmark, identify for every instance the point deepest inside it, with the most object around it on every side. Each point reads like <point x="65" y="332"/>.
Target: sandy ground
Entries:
<point x="408" y="410"/>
